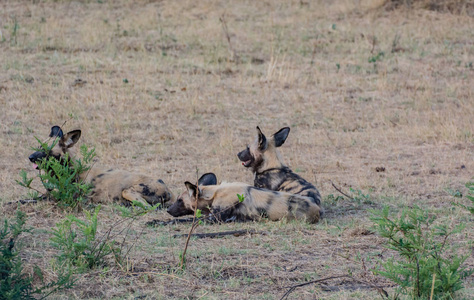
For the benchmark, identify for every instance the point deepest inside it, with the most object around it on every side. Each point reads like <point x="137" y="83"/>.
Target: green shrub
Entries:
<point x="60" y="178"/>
<point x="426" y="255"/>
<point x="14" y="284"/>
<point x="82" y="249"/>
<point x="78" y="244"/>
<point x="469" y="196"/>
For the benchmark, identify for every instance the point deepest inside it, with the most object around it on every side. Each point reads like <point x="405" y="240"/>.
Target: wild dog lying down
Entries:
<point x="109" y="185"/>
<point x="263" y="158"/>
<point x="222" y="201"/>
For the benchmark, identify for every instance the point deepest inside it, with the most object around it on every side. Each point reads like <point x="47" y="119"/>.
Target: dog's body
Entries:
<point x="222" y="201"/>
<point x="109" y="185"/>
<point x="270" y="172"/>
<point x="123" y="187"/>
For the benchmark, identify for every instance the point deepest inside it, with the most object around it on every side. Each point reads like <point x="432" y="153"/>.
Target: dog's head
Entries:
<point x="186" y="202"/>
<point x="62" y="144"/>
<point x="256" y="153"/>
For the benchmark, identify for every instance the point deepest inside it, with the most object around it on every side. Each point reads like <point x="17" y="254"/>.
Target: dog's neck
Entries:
<point x="276" y="170"/>
<point x="88" y="175"/>
<point x="272" y="160"/>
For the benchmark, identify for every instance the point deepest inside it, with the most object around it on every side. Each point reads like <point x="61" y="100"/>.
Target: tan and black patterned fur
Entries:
<point x="222" y="201"/>
<point x="263" y="158"/>
<point x="110" y="185"/>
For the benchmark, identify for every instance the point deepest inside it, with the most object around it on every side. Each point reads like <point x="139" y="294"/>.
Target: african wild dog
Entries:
<point x="264" y="160"/>
<point x="108" y="184"/>
<point x="222" y="201"/>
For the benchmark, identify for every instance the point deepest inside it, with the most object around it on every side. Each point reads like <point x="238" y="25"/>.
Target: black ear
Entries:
<point x="71" y="138"/>
<point x="191" y="189"/>
<point x="262" y="140"/>
<point x="56" y="131"/>
<point x="208" y="179"/>
<point x="281" y="135"/>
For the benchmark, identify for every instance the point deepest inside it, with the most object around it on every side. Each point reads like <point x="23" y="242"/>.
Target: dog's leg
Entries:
<point x="131" y="195"/>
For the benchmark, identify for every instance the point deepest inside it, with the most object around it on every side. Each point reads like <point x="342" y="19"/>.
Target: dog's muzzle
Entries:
<point x="36" y="157"/>
<point x="245" y="157"/>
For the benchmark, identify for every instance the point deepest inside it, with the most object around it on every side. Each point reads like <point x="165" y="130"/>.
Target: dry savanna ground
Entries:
<point x="379" y="101"/>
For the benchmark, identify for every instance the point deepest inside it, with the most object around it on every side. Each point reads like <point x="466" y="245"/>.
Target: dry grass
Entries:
<point x="164" y="94"/>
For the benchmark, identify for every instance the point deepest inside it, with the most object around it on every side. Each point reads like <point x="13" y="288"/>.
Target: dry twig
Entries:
<point x="159" y="274"/>
<point x="233" y="55"/>
<point x="25" y="201"/>
<point x="294" y="287"/>
<point x="382" y="292"/>
<point x="223" y="233"/>
<point x="193" y="226"/>
<point x="340" y="191"/>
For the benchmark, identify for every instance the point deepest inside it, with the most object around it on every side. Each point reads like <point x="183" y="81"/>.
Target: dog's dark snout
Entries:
<point x="244" y="155"/>
<point x="35" y="157"/>
<point x="172" y="212"/>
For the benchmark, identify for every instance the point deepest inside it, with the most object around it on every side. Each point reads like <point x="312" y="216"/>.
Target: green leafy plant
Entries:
<point x="333" y="199"/>
<point x="469" y="196"/>
<point x="14" y="284"/>
<point x="137" y="209"/>
<point x="82" y="249"/>
<point x="14" y="33"/>
<point x="26" y="182"/>
<point x="360" y="197"/>
<point x="78" y="244"/>
<point x="61" y="177"/>
<point x="454" y="193"/>
<point x="427" y="265"/>
<point x="375" y="58"/>
<point x="241" y="198"/>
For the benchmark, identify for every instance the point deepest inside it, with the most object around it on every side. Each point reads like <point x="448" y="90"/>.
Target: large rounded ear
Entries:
<point x="56" y="131"/>
<point x="262" y="140"/>
<point x="70" y="139"/>
<point x="208" y="179"/>
<point x="280" y="136"/>
<point x="192" y="189"/>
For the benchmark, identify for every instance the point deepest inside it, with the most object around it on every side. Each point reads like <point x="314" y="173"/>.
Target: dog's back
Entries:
<point x="260" y="202"/>
<point x="113" y="185"/>
<point x="285" y="180"/>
